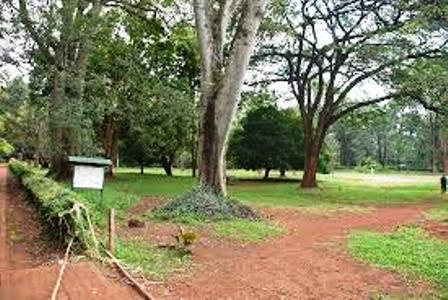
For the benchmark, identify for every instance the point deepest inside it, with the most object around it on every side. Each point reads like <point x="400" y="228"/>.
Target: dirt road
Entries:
<point x="20" y="279"/>
<point x="310" y="262"/>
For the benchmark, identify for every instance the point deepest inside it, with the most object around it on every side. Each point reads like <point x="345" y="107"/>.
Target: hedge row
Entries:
<point x="61" y="208"/>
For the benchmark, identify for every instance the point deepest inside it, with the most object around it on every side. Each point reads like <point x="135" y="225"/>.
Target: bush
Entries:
<point x="61" y="209"/>
<point x="203" y="202"/>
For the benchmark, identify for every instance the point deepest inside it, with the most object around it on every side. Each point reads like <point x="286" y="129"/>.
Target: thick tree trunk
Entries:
<point x="222" y="76"/>
<point x="310" y="168"/>
<point x="212" y="149"/>
<point x="59" y="167"/>
<point x="266" y="174"/>
<point x="142" y="169"/>
<point x="313" y="147"/>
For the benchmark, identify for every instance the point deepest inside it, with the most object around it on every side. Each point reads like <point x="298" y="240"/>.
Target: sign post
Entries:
<point x="88" y="172"/>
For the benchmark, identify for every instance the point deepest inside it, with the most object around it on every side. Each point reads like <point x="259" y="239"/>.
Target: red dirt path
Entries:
<point x="21" y="279"/>
<point x="310" y="262"/>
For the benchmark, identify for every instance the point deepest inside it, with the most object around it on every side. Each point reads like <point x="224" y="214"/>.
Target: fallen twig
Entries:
<point x="61" y="271"/>
<point x="141" y="290"/>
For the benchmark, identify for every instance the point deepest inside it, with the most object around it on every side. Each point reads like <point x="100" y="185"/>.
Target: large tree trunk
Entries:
<point x="59" y="167"/>
<point x="222" y="77"/>
<point x="212" y="150"/>
<point x="313" y="146"/>
<point x="310" y="168"/>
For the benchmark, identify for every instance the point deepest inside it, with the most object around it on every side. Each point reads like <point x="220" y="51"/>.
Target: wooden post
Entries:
<point x="111" y="244"/>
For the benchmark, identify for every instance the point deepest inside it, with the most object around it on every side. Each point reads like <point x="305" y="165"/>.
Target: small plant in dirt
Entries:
<point x="203" y="202"/>
<point x="184" y="240"/>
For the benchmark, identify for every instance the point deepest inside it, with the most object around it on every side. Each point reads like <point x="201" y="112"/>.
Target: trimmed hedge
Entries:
<point x="61" y="208"/>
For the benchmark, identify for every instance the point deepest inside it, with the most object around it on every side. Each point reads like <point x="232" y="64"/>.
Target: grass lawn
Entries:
<point x="408" y="250"/>
<point x="342" y="188"/>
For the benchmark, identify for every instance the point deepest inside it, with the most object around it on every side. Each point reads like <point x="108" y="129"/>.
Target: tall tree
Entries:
<point x="61" y="33"/>
<point x="325" y="49"/>
<point x="226" y="34"/>
<point x="277" y="136"/>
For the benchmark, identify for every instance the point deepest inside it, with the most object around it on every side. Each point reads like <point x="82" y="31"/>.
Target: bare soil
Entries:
<point x="29" y="261"/>
<point x="437" y="229"/>
<point x="309" y="262"/>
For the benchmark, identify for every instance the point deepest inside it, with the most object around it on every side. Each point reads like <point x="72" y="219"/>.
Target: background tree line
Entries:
<point x="140" y="82"/>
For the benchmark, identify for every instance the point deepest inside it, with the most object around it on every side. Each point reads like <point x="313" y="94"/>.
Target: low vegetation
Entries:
<point x="246" y="231"/>
<point x="151" y="261"/>
<point x="438" y="214"/>
<point x="203" y="202"/>
<point x="63" y="211"/>
<point x="409" y="250"/>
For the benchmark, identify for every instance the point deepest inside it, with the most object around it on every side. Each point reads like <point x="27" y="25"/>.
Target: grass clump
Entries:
<point x="205" y="203"/>
<point x="408" y="250"/>
<point x="438" y="214"/>
<point x="246" y="231"/>
<point x="152" y="262"/>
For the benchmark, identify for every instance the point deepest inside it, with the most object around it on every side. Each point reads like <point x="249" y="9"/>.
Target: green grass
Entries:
<point x="335" y="191"/>
<point x="438" y="214"/>
<point x="236" y="229"/>
<point x="409" y="251"/>
<point x="246" y="231"/>
<point x="152" y="262"/>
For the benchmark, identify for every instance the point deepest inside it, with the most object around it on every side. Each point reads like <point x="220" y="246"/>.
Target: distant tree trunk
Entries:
<point x="266" y="174"/>
<point x="109" y="141"/>
<point x="445" y="154"/>
<point x="142" y="168"/>
<point x="282" y="172"/>
<point x="194" y="158"/>
<point x="222" y="75"/>
<point x="167" y="163"/>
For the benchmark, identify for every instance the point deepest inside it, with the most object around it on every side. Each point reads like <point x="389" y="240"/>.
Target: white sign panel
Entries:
<point x="88" y="177"/>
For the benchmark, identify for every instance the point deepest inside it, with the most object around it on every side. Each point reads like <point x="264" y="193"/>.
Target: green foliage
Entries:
<point x="409" y="250"/>
<point x="204" y="202"/>
<point x="268" y="138"/>
<point x="246" y="231"/>
<point x="324" y="166"/>
<point x="153" y="262"/>
<point x="63" y="211"/>
<point x="5" y="148"/>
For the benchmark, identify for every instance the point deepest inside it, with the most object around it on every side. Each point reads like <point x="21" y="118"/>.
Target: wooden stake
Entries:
<point x="140" y="289"/>
<point x="61" y="271"/>
<point x="111" y="245"/>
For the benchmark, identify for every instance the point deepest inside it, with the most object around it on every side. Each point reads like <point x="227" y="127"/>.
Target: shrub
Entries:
<point x="61" y="209"/>
<point x="203" y="202"/>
